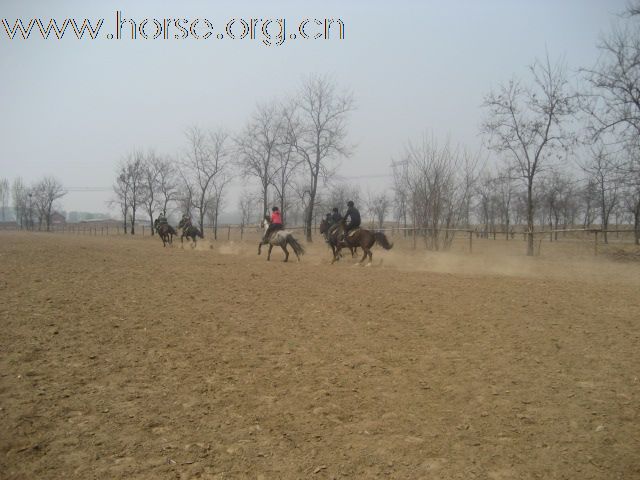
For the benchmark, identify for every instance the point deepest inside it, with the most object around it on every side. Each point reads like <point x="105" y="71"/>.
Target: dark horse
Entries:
<point x="166" y="233"/>
<point x="328" y="231"/>
<point x="190" y="232"/>
<point x="359" y="237"/>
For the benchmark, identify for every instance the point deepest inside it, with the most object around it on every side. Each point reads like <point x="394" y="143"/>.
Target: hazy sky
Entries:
<point x="72" y="108"/>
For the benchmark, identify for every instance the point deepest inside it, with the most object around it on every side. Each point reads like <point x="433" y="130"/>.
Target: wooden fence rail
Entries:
<point x="414" y="232"/>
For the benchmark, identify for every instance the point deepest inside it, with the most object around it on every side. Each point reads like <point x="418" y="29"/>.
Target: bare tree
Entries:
<point x="589" y="197"/>
<point x="487" y="202"/>
<point x="321" y="119"/>
<point x="340" y="193"/>
<point x="167" y="184"/>
<point x="129" y="188"/>
<point x="602" y="170"/>
<point x="247" y="204"/>
<point x="288" y="161"/>
<point x="5" y="191"/>
<point x="121" y="191"/>
<point x="45" y="192"/>
<point x="379" y="205"/>
<point x="630" y="183"/>
<point x="505" y="193"/>
<point x="436" y="190"/>
<point x="216" y="200"/>
<point x="612" y="100"/>
<point x="134" y="170"/>
<point x="400" y="194"/>
<point x="151" y="185"/>
<point x="526" y="122"/>
<point x="257" y="146"/>
<point x="21" y="205"/>
<point x="204" y="160"/>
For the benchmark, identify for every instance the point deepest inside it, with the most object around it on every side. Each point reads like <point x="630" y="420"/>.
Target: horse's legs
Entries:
<point x="259" y="248"/>
<point x="269" y="252"/>
<point x="286" y="252"/>
<point x="336" y="254"/>
<point x="366" y="252"/>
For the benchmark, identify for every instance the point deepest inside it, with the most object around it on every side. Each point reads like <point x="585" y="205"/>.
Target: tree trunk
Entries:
<point x="530" y="217"/>
<point x="308" y="224"/>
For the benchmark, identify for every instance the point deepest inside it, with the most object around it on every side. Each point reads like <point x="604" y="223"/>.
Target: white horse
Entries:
<point x="280" y="238"/>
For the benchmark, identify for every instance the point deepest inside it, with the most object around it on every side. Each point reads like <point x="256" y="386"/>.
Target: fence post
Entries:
<point x="414" y="237"/>
<point x="241" y="231"/>
<point x="470" y="241"/>
<point x="228" y="232"/>
<point x="595" y="244"/>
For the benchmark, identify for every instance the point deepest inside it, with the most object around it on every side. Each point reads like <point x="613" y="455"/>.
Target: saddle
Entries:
<point x="353" y="232"/>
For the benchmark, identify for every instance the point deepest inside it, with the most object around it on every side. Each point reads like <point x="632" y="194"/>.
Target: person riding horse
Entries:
<point x="335" y="216"/>
<point x="185" y="223"/>
<point x="274" y="225"/>
<point x="351" y="220"/>
<point x="333" y="222"/>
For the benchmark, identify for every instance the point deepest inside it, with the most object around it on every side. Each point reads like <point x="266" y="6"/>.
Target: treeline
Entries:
<point x="562" y="157"/>
<point x="33" y="204"/>
<point x="286" y="147"/>
<point x="560" y="153"/>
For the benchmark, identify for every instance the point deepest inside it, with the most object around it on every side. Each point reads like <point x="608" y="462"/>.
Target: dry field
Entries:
<point x="121" y="359"/>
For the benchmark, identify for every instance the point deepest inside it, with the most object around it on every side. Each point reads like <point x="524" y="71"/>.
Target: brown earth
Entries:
<point x="121" y="359"/>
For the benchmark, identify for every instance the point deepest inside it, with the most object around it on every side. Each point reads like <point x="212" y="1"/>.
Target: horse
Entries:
<point x="327" y="231"/>
<point x="166" y="233"/>
<point x="358" y="237"/>
<point x="190" y="232"/>
<point x="281" y="238"/>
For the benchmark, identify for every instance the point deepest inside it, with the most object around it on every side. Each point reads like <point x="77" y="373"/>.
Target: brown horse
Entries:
<point x="331" y="233"/>
<point x="358" y="237"/>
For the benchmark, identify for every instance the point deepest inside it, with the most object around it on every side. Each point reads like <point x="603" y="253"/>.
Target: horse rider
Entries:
<point x="351" y="219"/>
<point x="185" y="223"/>
<point x="162" y="219"/>
<point x="274" y="225"/>
<point x="335" y="216"/>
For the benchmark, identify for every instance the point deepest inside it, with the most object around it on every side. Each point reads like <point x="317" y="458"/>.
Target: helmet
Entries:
<point x="274" y="209"/>
<point x="349" y="203"/>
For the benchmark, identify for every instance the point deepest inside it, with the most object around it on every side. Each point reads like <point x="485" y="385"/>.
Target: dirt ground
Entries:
<point x="121" y="359"/>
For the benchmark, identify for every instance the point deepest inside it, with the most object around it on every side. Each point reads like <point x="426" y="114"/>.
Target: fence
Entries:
<point x="412" y="234"/>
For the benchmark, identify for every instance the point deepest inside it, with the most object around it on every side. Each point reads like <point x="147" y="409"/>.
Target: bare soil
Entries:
<point x="123" y="359"/>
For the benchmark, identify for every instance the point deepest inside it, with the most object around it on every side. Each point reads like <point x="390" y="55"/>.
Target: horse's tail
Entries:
<point x="297" y="247"/>
<point x="381" y="238"/>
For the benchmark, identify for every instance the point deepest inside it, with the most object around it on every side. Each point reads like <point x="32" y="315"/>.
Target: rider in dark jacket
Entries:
<point x="335" y="216"/>
<point x="351" y="218"/>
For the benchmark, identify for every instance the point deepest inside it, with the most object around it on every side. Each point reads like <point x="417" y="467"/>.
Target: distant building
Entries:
<point x="58" y="219"/>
